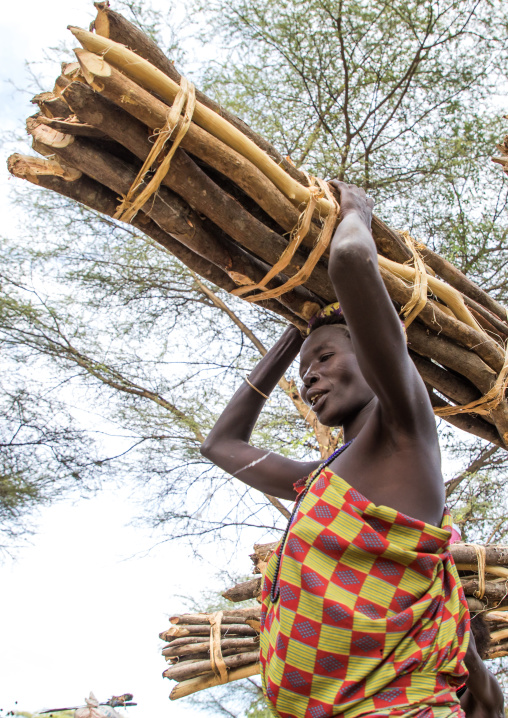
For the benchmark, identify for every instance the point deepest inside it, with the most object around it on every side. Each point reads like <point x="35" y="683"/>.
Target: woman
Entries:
<point x="363" y="612"/>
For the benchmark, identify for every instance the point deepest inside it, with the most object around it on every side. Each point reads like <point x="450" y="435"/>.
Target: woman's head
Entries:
<point x="333" y="384"/>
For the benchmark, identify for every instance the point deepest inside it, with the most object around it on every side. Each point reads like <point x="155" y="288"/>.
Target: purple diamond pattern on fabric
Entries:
<point x="429" y="546"/>
<point x="425" y="563"/>
<point x="435" y="605"/>
<point x="356" y="495"/>
<point x="428" y="635"/>
<point x="312" y="580"/>
<point x="336" y="613"/>
<point x="372" y="540"/>
<point x="390" y="695"/>
<point x="346" y="576"/>
<point x="330" y="663"/>
<point x="305" y="629"/>
<point x="369" y="610"/>
<point x="279" y="645"/>
<point x="331" y="543"/>
<point x="404" y="602"/>
<point x="287" y="593"/>
<point x="323" y="512"/>
<point x="294" y="545"/>
<point x="269" y="690"/>
<point x="387" y="568"/>
<point x="320" y="483"/>
<point x="408" y="664"/>
<point x="460" y="630"/>
<point x="367" y="643"/>
<point x="348" y="691"/>
<point x="318" y="712"/>
<point x="376" y="524"/>
<point x="296" y="679"/>
<point x="400" y="619"/>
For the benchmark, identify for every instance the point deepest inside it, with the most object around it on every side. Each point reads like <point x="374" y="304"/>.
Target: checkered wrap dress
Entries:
<point x="370" y="617"/>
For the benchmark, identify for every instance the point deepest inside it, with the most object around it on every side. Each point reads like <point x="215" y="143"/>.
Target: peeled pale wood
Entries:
<point x="498" y="636"/>
<point x="243" y="591"/>
<point x="114" y="26"/>
<point x="170" y="213"/>
<point x="187" y="688"/>
<point x="447" y="271"/>
<point x="149" y="110"/>
<point x="154" y="80"/>
<point x="435" y="318"/>
<point x="193" y="185"/>
<point x="500" y="571"/>
<point x="184" y="671"/>
<point x="496" y="616"/>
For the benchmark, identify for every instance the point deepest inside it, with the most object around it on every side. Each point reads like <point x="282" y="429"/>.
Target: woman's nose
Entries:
<point x="310" y="378"/>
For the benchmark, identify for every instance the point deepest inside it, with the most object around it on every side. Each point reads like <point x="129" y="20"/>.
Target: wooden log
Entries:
<point x="187" y="688"/>
<point x="225" y="644"/>
<point x="51" y="105"/>
<point x="447" y="271"/>
<point x="202" y="618"/>
<point x="180" y="642"/>
<point x="470" y="423"/>
<point x="153" y="80"/>
<point x="149" y="110"/>
<point x="498" y="652"/>
<point x="235" y="629"/>
<point x="184" y="671"/>
<point x="490" y="570"/>
<point x="171" y="214"/>
<point x="111" y="24"/>
<point x="70" y="126"/>
<point x="180" y="659"/>
<point x="454" y="387"/>
<point x="465" y="553"/>
<point x="244" y="591"/>
<point x="435" y="318"/>
<point x="192" y="184"/>
<point x="79" y="187"/>
<point x="499" y="636"/>
<point x="493" y="591"/>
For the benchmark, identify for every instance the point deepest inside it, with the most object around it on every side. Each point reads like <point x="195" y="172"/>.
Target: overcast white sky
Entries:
<point x="78" y="613"/>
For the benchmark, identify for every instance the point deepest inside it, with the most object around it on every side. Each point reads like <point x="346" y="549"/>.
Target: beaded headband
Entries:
<point x="328" y="311"/>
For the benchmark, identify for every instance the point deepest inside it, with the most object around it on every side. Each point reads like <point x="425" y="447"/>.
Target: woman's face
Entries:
<point x="333" y="384"/>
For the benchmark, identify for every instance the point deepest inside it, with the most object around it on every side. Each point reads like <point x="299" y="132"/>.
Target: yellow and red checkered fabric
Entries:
<point x="371" y="618"/>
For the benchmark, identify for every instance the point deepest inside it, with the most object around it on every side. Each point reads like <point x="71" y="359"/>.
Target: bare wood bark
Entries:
<point x="173" y="216"/>
<point x="457" y="279"/>
<point x="467" y="422"/>
<point x="94" y="195"/>
<point x="244" y="591"/>
<point x="192" y="649"/>
<point x="435" y="318"/>
<point x="186" y="688"/>
<point x="494" y="592"/>
<point x="70" y="127"/>
<point x="235" y="629"/>
<point x="184" y="671"/>
<point x="201" y="619"/>
<point x="195" y="187"/>
<point x="465" y="553"/>
<point x="455" y="387"/>
<point x="111" y="24"/>
<point x="51" y="105"/>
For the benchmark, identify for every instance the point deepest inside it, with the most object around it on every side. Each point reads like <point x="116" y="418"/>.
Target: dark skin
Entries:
<point x="483" y="697"/>
<point x="370" y="387"/>
<point x="361" y="379"/>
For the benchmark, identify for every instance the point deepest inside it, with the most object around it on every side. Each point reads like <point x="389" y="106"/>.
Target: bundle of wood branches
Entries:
<point x="223" y="200"/>
<point x="209" y="649"/>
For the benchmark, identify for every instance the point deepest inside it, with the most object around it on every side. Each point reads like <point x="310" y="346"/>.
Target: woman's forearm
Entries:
<point x="238" y="419"/>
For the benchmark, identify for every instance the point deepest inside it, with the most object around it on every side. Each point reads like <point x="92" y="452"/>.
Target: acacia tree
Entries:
<point x="118" y="359"/>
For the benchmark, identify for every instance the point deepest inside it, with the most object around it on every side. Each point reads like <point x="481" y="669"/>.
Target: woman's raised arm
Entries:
<point x="227" y="445"/>
<point x="376" y="331"/>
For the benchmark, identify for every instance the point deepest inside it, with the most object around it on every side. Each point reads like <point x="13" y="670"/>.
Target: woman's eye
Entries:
<point x="325" y="357"/>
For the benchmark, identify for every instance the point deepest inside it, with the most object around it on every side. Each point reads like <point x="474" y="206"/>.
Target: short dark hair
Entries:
<point x="331" y="320"/>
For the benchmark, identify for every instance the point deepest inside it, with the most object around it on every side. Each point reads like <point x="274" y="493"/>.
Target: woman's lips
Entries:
<point x="319" y="403"/>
